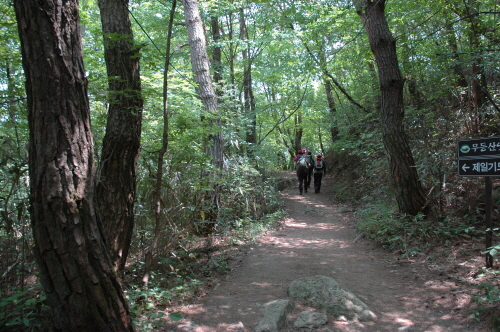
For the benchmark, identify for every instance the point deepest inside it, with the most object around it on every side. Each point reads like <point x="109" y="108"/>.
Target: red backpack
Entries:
<point x="319" y="164"/>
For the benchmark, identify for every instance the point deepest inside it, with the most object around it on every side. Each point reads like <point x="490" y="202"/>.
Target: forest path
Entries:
<point x="317" y="238"/>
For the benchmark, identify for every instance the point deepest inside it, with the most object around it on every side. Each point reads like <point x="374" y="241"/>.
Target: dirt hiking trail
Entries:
<point x="318" y="238"/>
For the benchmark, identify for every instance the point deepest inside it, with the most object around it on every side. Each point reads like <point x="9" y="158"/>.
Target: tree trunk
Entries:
<point x="328" y="81"/>
<point x="232" y="51"/>
<point x="217" y="56"/>
<point x="248" y="98"/>
<point x="206" y="93"/>
<point x="116" y="185"/>
<point x="161" y="155"/>
<point x="298" y="132"/>
<point x="476" y="95"/>
<point x="451" y="38"/>
<point x="409" y="193"/>
<point x="74" y="264"/>
<point x="334" y="130"/>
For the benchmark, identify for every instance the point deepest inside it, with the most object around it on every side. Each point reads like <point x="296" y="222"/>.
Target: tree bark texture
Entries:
<point x="116" y="185"/>
<point x="334" y="130"/>
<point x="206" y="93"/>
<point x="477" y="87"/>
<point x="409" y="193"/>
<point x="74" y="265"/>
<point x="298" y="130"/>
<point x="217" y="56"/>
<point x="248" y="97"/>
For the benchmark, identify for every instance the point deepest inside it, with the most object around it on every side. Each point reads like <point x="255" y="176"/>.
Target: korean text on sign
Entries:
<point x="485" y="166"/>
<point x="483" y="147"/>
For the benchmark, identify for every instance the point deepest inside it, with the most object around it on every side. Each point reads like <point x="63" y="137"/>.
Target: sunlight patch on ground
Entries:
<point x="294" y="243"/>
<point x="232" y="327"/>
<point x="262" y="284"/>
<point x="436" y="328"/>
<point x="294" y="223"/>
<point x="397" y="317"/>
<point x="323" y="206"/>
<point x="403" y="321"/>
<point x="194" y="309"/>
<point x="437" y="285"/>
<point x="190" y="326"/>
<point x="400" y="319"/>
<point x="413" y="307"/>
<point x="331" y="226"/>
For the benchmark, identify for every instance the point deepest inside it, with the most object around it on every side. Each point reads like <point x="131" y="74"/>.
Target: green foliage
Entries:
<point x="495" y="249"/>
<point x="247" y="195"/>
<point x="15" y="236"/>
<point x="408" y="233"/>
<point x="434" y="46"/>
<point x="21" y="310"/>
<point x="146" y="305"/>
<point x="489" y="296"/>
<point x="175" y="316"/>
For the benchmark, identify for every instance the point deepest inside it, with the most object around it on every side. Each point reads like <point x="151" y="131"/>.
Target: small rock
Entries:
<point x="275" y="315"/>
<point x="407" y="328"/>
<point x="236" y="328"/>
<point x="188" y="326"/>
<point x="310" y="319"/>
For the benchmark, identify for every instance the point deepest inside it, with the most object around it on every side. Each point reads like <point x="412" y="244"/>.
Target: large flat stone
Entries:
<point x="323" y="292"/>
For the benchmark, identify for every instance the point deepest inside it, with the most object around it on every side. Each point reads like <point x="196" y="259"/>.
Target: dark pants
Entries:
<point x="309" y="176"/>
<point x="317" y="181"/>
<point x="302" y="176"/>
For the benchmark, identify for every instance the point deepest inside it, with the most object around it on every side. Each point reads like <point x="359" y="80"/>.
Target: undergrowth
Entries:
<point x="146" y="304"/>
<point x="487" y="301"/>
<point x="189" y="271"/>
<point x="410" y="234"/>
<point x="22" y="310"/>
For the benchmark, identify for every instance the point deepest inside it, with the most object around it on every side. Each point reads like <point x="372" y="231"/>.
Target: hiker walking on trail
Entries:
<point x="298" y="155"/>
<point x="319" y="170"/>
<point x="302" y="167"/>
<point x="310" y="169"/>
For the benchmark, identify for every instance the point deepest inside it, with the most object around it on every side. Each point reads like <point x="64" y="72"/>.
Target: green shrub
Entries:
<point x="20" y="310"/>
<point x="488" y="297"/>
<point x="384" y="225"/>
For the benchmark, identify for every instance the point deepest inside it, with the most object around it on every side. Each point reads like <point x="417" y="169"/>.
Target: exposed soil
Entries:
<point x="429" y="292"/>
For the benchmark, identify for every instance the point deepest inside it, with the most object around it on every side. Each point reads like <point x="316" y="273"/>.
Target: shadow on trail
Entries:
<point x="318" y="239"/>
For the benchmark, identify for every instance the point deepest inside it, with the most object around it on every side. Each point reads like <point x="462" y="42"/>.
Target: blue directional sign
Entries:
<point x="479" y="156"/>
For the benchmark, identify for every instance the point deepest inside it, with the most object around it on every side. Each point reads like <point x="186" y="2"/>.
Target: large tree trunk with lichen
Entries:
<point x="116" y="185"/>
<point x="409" y="193"/>
<point x="74" y="264"/>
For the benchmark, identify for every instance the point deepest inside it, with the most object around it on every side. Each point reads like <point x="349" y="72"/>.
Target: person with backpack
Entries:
<point x="297" y="157"/>
<point x="319" y="170"/>
<point x="310" y="170"/>
<point x="302" y="167"/>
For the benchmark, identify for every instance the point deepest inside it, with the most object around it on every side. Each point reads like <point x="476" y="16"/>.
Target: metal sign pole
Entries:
<point x="489" y="225"/>
<point x="481" y="157"/>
